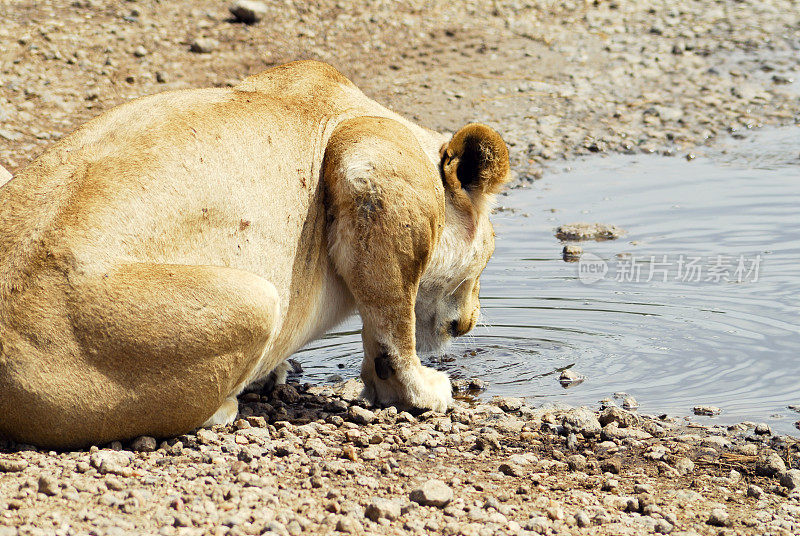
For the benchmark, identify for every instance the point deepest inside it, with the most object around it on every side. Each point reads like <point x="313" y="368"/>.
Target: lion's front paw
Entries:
<point x="436" y="391"/>
<point x="419" y="387"/>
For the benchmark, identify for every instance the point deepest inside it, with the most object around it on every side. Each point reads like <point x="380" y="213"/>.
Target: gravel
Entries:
<point x="307" y="467"/>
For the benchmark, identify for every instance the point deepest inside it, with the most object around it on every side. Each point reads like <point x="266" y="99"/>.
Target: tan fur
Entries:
<point x="181" y="246"/>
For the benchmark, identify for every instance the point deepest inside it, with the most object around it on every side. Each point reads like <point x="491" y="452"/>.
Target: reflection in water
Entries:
<point x="670" y="340"/>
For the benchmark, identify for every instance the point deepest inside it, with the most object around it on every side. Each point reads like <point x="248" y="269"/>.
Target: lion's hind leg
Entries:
<point x="162" y="350"/>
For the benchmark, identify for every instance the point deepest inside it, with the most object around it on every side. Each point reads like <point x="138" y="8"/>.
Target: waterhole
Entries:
<point x="697" y="304"/>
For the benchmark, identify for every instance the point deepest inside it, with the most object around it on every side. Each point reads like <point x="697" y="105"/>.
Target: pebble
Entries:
<point x="360" y="415"/>
<point x="771" y="465"/>
<point x="144" y="444"/>
<point x="571" y="253"/>
<point x="577" y="462"/>
<point x="248" y="11"/>
<point x="791" y="479"/>
<point x="582" y="421"/>
<point x="140" y="51"/>
<point x="12" y="466"/>
<point x="623" y="418"/>
<point x="538" y="524"/>
<point x="763" y="429"/>
<point x="511" y="469"/>
<point x="48" y="485"/>
<point x="382" y="509"/>
<point x="611" y="465"/>
<point x="684" y="465"/>
<point x="349" y="525"/>
<point x="204" y="45"/>
<point x="569" y="377"/>
<point x="582" y="519"/>
<point x="719" y="518"/>
<point x="629" y="403"/>
<point x="706" y="410"/>
<point x="754" y="491"/>
<point x="110" y="461"/>
<point x="508" y="403"/>
<point x="432" y="493"/>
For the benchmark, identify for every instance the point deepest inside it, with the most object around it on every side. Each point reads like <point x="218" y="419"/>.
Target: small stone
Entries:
<point x="684" y="466"/>
<point x="719" y="518"/>
<point x="162" y="77"/>
<point x="360" y="415"/>
<point x="706" y="410"/>
<point x="257" y="421"/>
<point x="12" y="466"/>
<point x="571" y="253"/>
<point x="663" y="526"/>
<point x="204" y="45"/>
<point x="791" y="479"/>
<point x="508" y="403"/>
<point x="432" y="493"/>
<point x="144" y="444"/>
<point x="109" y="461"/>
<point x="538" y="524"/>
<point x="577" y="462"/>
<point x="286" y="393"/>
<point x="207" y="437"/>
<point x="763" y="429"/>
<point x="569" y="377"/>
<point x="771" y="465"/>
<point x="140" y="51"/>
<point x="349" y="525"/>
<point x="511" y="469"/>
<point x="582" y="421"/>
<point x="382" y="508"/>
<point x="349" y="453"/>
<point x="754" y="491"/>
<point x="48" y="485"/>
<point x="623" y="418"/>
<point x="582" y="519"/>
<point x="611" y="465"/>
<point x="629" y="403"/>
<point x="248" y="11"/>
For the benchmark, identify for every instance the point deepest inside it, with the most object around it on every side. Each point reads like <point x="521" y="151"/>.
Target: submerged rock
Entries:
<point x="589" y="231"/>
<point x="571" y="252"/>
<point x="707" y="410"/>
<point x="568" y="378"/>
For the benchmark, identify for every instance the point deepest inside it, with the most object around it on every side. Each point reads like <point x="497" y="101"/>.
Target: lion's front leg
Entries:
<point x="385" y="205"/>
<point x="393" y="374"/>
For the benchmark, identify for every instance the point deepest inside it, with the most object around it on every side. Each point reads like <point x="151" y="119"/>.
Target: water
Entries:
<point x="659" y="334"/>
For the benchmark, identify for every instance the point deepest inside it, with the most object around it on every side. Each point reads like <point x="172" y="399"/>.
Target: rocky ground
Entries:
<point x="558" y="79"/>
<point x="315" y="460"/>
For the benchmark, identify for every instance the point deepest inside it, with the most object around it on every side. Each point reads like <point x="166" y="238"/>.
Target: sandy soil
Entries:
<point x="558" y="79"/>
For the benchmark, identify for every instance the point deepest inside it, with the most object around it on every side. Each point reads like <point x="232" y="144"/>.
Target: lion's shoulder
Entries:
<point x="303" y="77"/>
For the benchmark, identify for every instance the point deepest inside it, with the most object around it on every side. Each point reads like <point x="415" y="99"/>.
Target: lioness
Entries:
<point x="181" y="246"/>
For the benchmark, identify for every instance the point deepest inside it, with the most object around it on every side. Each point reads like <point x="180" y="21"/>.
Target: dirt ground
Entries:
<point x="557" y="79"/>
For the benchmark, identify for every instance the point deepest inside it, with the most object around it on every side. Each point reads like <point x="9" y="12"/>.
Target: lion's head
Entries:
<point x="474" y="167"/>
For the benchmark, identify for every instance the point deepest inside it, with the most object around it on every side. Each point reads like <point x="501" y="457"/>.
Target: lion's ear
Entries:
<point x="475" y="159"/>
